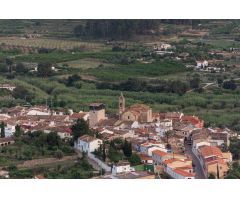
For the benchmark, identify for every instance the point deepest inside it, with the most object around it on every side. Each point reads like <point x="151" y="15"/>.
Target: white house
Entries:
<point x="121" y="167"/>
<point x="180" y="174"/>
<point x="9" y="131"/>
<point x="8" y="87"/>
<point x="199" y="143"/>
<point x="87" y="144"/>
<point x="202" y="64"/>
<point x="160" y="156"/>
<point x="153" y="148"/>
<point x="38" y="112"/>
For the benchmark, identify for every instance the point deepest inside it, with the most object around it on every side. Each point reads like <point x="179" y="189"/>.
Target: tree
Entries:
<point x="127" y="148"/>
<point x="2" y="130"/>
<point x="73" y="79"/>
<point x="80" y="128"/>
<point x="58" y="154"/>
<point x="22" y="93"/>
<point x="104" y="156"/>
<point x="194" y="82"/>
<point x="134" y="159"/>
<point x="53" y="139"/>
<point x="229" y="85"/>
<point x="212" y="176"/>
<point x="18" y="131"/>
<point x="21" y="68"/>
<point x="9" y="63"/>
<point x="168" y="134"/>
<point x="44" y="69"/>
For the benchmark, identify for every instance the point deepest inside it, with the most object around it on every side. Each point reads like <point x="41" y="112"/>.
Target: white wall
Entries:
<point x="120" y="169"/>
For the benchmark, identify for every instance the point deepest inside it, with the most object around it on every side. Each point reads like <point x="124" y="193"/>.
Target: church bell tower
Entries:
<point x="121" y="104"/>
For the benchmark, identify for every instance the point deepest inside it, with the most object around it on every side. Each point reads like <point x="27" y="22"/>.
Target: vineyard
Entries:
<point x="35" y="43"/>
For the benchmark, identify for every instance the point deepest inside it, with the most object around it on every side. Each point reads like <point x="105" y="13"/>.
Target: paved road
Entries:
<point x="196" y="162"/>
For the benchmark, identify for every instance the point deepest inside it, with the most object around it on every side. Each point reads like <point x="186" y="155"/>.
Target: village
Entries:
<point x="168" y="145"/>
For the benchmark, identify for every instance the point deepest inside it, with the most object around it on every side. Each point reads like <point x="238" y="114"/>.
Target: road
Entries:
<point x="91" y="162"/>
<point x="213" y="83"/>
<point x="196" y="162"/>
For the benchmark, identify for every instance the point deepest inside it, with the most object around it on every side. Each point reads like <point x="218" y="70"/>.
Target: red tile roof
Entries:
<point x="159" y="153"/>
<point x="183" y="173"/>
<point x="208" y="151"/>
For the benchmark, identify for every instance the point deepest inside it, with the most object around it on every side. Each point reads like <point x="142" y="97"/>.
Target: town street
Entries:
<point x="196" y="162"/>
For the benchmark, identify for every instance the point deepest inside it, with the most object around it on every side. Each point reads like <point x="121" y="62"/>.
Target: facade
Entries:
<point x="212" y="161"/>
<point x="87" y="144"/>
<point x="121" y="167"/>
<point x="121" y="104"/>
<point x="137" y="112"/>
<point x="96" y="113"/>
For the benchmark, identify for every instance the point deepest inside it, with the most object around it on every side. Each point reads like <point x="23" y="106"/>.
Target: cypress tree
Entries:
<point x="2" y="130"/>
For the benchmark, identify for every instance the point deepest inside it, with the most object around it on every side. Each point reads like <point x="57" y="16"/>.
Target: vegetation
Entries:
<point x="34" y="145"/>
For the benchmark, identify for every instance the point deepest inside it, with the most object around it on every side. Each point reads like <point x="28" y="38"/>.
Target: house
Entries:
<point x="81" y="115"/>
<point x="181" y="174"/>
<point x="160" y="156"/>
<point x="121" y="167"/>
<point x="218" y="134"/>
<point x="199" y="143"/>
<point x="87" y="144"/>
<point x="7" y="86"/>
<point x="147" y="147"/>
<point x="163" y="46"/>
<point x="130" y="175"/>
<point x="201" y="64"/>
<point x="179" y="168"/>
<point x="213" y="161"/>
<point x="174" y="116"/>
<point x="146" y="159"/>
<point x="195" y="121"/>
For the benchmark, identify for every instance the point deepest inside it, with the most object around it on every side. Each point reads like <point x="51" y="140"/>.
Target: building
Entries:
<point x="121" y="104"/>
<point x="137" y="112"/>
<point x="121" y="167"/>
<point x="87" y="144"/>
<point x="7" y="87"/>
<point x="213" y="161"/>
<point x="130" y="175"/>
<point x="193" y="120"/>
<point x="96" y="113"/>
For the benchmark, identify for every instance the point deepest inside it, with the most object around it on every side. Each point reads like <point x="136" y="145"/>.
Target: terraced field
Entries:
<point x="50" y="43"/>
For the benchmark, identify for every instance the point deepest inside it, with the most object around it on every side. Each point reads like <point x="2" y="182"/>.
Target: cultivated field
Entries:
<point x="50" y="43"/>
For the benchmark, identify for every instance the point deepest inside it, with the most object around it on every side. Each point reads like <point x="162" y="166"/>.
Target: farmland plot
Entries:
<point x="50" y="43"/>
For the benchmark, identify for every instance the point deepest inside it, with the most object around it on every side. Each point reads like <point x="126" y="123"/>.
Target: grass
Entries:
<point x="84" y="63"/>
<point x="139" y="168"/>
<point x="123" y="72"/>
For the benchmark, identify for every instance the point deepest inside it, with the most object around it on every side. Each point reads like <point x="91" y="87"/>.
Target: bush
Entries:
<point x="58" y="154"/>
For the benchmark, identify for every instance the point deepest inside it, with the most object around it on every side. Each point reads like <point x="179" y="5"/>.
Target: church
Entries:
<point x="136" y="112"/>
